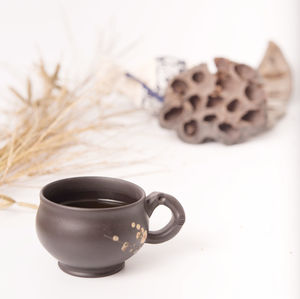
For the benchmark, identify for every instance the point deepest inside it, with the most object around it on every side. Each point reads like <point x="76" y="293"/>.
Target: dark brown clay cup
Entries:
<point x="95" y="242"/>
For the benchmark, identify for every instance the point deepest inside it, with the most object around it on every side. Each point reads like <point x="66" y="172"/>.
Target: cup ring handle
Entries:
<point x="152" y="201"/>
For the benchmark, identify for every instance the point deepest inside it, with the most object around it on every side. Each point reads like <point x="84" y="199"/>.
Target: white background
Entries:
<point x="241" y="238"/>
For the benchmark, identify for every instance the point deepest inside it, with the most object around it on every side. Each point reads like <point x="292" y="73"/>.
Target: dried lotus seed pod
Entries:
<point x="183" y="95"/>
<point x="172" y="112"/>
<point x="227" y="107"/>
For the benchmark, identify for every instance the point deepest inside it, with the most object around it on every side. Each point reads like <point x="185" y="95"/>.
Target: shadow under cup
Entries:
<point x="91" y="225"/>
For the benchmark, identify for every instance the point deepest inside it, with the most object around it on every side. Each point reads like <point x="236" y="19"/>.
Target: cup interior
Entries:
<point x="110" y="190"/>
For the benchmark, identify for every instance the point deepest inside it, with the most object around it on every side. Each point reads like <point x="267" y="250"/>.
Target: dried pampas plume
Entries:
<point x="41" y="129"/>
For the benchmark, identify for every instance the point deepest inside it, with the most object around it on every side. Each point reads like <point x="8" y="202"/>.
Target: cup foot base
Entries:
<point x="101" y="272"/>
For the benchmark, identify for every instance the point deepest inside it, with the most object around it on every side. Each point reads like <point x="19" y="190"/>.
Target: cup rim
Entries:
<point x="44" y="199"/>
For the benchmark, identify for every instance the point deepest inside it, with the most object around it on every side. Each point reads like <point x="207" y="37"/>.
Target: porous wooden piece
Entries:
<point x="228" y="106"/>
<point x="277" y="80"/>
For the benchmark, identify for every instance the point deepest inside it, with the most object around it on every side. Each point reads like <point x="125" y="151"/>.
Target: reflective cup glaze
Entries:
<point x="95" y="242"/>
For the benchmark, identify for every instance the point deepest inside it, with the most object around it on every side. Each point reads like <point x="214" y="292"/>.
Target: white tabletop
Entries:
<point x="241" y="236"/>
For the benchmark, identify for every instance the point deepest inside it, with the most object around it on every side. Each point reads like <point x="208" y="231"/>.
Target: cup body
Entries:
<point x="92" y="242"/>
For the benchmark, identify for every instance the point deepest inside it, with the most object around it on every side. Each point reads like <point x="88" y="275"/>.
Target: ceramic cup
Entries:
<point x="95" y="242"/>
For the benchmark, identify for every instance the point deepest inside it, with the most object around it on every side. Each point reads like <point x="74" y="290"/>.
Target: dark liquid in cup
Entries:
<point x="94" y="203"/>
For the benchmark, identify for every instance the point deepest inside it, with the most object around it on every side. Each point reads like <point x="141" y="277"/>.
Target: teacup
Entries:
<point x="91" y="225"/>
